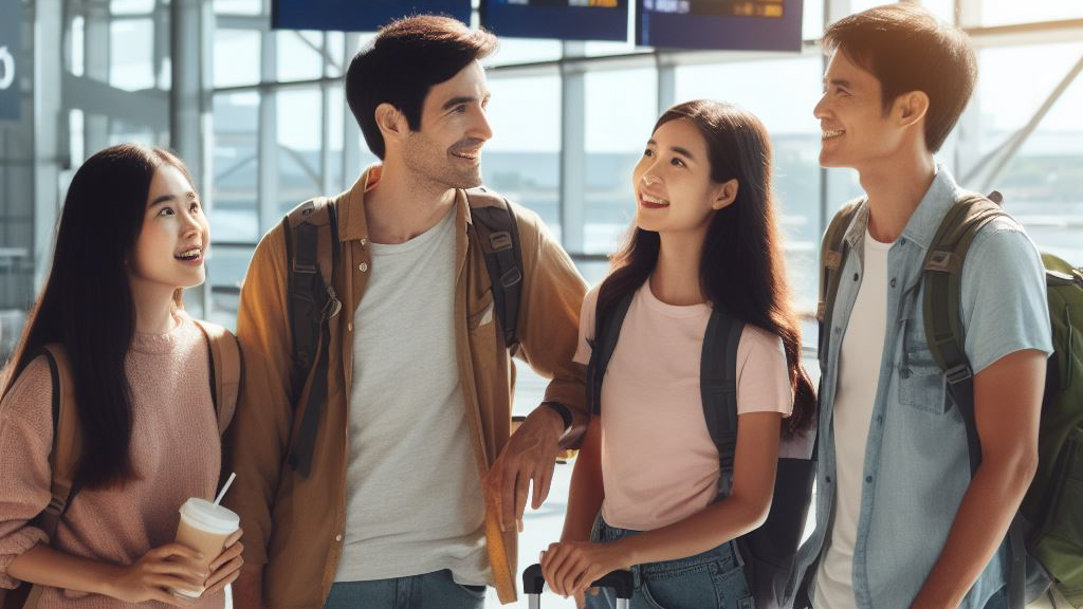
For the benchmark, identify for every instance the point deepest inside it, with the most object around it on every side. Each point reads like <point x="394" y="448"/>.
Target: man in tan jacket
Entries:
<point x="406" y="491"/>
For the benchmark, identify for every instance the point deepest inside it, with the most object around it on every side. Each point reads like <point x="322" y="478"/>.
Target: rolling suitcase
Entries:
<point x="620" y="581"/>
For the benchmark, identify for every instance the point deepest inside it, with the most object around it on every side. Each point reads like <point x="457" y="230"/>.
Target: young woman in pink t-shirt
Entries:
<point x="645" y="484"/>
<point x="131" y="237"/>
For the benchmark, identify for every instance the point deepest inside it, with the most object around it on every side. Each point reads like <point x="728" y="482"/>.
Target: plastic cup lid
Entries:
<point x="210" y="517"/>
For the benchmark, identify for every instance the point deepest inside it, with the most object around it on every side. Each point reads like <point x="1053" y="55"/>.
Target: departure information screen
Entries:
<point x="768" y="25"/>
<point x="563" y="19"/>
<point x="354" y="16"/>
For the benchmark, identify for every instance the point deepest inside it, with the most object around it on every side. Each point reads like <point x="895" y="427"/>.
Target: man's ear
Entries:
<point x="725" y="194"/>
<point x="910" y="108"/>
<point x="391" y="122"/>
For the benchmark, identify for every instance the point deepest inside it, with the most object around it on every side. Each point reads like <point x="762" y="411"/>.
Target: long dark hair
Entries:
<point x="742" y="268"/>
<point x="86" y="304"/>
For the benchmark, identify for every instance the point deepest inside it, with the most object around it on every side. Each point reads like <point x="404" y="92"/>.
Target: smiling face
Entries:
<point x="856" y="131"/>
<point x="446" y="150"/>
<point x="172" y="243"/>
<point x="672" y="181"/>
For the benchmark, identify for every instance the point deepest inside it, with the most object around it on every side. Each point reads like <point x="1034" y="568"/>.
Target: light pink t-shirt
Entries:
<point x="659" y="465"/>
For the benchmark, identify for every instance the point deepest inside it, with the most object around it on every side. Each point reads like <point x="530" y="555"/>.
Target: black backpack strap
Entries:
<point x="606" y="335"/>
<point x="498" y="233"/>
<point x="942" y="279"/>
<point x="833" y="253"/>
<point x="312" y="304"/>
<point x="718" y="389"/>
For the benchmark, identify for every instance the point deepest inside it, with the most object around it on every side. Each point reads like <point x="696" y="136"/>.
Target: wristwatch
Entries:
<point x="563" y="411"/>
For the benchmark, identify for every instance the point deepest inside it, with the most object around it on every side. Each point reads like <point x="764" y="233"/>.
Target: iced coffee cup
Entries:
<point x="204" y="527"/>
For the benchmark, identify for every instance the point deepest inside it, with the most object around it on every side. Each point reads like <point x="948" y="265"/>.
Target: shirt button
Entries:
<point x="904" y="373"/>
<point x="364" y="242"/>
<point x="338" y="537"/>
<point x="827" y="479"/>
<point x="855" y="276"/>
<point x="868" y="478"/>
<point x="363" y="267"/>
<point x="880" y="419"/>
<point x="349" y="327"/>
<point x="892" y="283"/>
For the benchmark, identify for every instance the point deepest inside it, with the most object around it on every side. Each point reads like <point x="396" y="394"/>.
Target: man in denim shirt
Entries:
<point x="900" y="521"/>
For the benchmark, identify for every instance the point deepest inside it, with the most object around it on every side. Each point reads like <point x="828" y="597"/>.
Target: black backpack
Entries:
<point x="769" y="552"/>
<point x="312" y="250"/>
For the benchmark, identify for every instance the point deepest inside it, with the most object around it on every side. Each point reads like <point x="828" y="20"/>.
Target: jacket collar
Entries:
<point x="353" y="223"/>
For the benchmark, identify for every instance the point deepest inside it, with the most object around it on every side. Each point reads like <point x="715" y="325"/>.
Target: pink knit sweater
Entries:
<point x="176" y="454"/>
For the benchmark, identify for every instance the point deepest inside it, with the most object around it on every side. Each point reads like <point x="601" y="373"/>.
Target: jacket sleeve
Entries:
<point x="257" y="439"/>
<point x="26" y="439"/>
<point x="549" y="320"/>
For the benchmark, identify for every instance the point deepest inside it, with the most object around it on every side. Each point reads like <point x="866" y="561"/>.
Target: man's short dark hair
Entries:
<point x="907" y="49"/>
<point x="405" y="60"/>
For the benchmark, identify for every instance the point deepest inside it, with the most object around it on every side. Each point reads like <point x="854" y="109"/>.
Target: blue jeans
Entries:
<point x="714" y="579"/>
<point x="434" y="590"/>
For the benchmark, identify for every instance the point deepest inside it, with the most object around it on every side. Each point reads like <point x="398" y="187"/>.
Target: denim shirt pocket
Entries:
<point x="922" y="384"/>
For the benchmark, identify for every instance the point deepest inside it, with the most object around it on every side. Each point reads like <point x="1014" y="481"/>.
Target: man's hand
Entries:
<point x="528" y="458"/>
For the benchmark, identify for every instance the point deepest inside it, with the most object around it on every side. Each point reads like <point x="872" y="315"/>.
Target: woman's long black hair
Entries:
<point x="742" y="268"/>
<point x="86" y="305"/>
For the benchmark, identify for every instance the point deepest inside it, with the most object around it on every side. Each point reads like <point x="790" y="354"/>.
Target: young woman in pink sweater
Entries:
<point x="131" y="237"/>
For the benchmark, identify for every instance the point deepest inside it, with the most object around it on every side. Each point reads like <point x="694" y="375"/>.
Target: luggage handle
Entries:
<point x="621" y="582"/>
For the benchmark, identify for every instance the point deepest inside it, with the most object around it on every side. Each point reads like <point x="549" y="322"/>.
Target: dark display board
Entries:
<point x="11" y="19"/>
<point x="761" y="25"/>
<point x="357" y="15"/>
<point x="563" y="19"/>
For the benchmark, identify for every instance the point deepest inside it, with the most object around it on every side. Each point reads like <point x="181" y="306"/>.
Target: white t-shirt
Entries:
<point x="413" y="495"/>
<point x="659" y="464"/>
<point x="858" y="381"/>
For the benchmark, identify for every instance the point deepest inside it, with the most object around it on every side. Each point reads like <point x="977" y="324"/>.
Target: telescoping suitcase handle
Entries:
<point x="620" y="581"/>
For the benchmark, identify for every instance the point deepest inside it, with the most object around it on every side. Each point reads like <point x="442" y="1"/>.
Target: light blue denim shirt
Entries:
<point x="916" y="462"/>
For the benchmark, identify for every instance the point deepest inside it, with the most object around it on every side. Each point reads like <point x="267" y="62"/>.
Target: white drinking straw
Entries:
<point x="225" y="487"/>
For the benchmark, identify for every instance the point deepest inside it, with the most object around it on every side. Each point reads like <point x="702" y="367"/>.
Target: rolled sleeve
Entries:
<point x="1005" y="308"/>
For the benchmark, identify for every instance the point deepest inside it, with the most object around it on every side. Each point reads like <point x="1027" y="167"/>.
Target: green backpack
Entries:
<point x="1049" y="524"/>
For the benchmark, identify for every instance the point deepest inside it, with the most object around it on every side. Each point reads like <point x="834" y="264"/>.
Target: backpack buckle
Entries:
<point x="511" y="277"/>
<point x="332" y="305"/>
<point x="939" y="261"/>
<point x="500" y="241"/>
<point x="959" y="374"/>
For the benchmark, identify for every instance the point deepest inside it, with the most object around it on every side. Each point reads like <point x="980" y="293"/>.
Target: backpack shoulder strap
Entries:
<point x="311" y="231"/>
<point x="498" y="232"/>
<point x="833" y="252"/>
<point x="942" y="277"/>
<point x="67" y="440"/>
<point x="718" y="389"/>
<point x="312" y="249"/>
<point x="942" y="280"/>
<point x="606" y="335"/>
<point x="226" y="370"/>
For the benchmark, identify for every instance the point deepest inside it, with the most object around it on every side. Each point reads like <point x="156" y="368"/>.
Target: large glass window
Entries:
<point x="621" y="107"/>
<point x="522" y="161"/>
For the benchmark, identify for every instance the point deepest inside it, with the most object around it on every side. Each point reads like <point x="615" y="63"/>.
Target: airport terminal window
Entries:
<point x="1005" y="12"/>
<point x="300" y="55"/>
<point x="238" y="7"/>
<point x="131" y="54"/>
<point x="1043" y="183"/>
<point x="243" y="49"/>
<point x="621" y="107"/>
<point x="522" y="161"/>
<point x="300" y="164"/>
<point x="234" y="216"/>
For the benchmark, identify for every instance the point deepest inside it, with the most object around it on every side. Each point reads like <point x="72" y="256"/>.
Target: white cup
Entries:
<point x="204" y="527"/>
